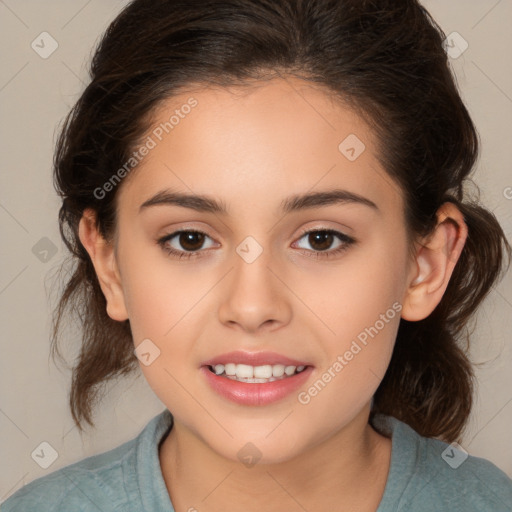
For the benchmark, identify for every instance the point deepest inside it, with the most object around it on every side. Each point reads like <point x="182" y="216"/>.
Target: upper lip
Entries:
<point x="254" y="359"/>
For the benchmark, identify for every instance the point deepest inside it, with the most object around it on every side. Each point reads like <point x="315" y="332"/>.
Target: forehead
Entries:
<point x="269" y="139"/>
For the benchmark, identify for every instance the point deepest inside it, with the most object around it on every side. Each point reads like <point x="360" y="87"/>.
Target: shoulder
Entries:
<point x="466" y="482"/>
<point x="126" y="479"/>
<point x="90" y="484"/>
<point x="430" y="475"/>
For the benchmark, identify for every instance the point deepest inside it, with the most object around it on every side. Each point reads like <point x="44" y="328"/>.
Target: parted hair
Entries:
<point x="384" y="58"/>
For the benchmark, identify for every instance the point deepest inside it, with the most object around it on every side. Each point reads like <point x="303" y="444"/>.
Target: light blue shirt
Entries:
<point x="426" y="475"/>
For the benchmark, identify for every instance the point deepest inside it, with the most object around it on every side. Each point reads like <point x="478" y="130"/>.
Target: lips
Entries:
<point x="254" y="359"/>
<point x="238" y="386"/>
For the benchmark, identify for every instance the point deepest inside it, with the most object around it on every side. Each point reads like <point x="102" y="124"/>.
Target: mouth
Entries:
<point x="255" y="378"/>
<point x="255" y="374"/>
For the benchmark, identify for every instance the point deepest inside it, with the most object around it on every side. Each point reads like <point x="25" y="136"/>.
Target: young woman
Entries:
<point x="265" y="201"/>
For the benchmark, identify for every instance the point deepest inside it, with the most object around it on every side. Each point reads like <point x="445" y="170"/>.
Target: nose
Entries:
<point x="253" y="297"/>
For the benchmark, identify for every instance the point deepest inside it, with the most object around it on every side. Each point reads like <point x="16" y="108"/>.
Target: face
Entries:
<point x="263" y="280"/>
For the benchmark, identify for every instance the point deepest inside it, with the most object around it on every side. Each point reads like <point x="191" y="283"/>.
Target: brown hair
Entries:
<point x="386" y="59"/>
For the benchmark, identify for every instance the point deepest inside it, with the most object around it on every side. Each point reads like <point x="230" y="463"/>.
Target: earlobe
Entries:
<point x="434" y="264"/>
<point x="103" y="259"/>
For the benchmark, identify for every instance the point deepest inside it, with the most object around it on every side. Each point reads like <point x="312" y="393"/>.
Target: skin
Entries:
<point x="251" y="148"/>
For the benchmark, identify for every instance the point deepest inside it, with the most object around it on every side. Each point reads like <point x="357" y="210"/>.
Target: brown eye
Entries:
<point x="184" y="243"/>
<point x="191" y="240"/>
<point x="320" y="240"/>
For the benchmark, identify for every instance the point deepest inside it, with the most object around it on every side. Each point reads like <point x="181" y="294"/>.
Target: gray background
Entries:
<point x="35" y="95"/>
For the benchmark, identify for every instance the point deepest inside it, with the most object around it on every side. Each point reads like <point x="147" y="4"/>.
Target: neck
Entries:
<point x="352" y="479"/>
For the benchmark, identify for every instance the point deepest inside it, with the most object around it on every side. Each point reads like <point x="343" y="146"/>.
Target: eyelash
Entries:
<point x="347" y="242"/>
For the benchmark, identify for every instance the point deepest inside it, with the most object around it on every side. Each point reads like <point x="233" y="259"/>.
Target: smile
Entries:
<point x="255" y="374"/>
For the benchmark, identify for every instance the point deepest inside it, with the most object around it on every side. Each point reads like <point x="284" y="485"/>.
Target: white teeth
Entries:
<point x="244" y="371"/>
<point x="278" y="370"/>
<point x="289" y="370"/>
<point x="230" y="369"/>
<point x="262" y="373"/>
<point x="250" y="381"/>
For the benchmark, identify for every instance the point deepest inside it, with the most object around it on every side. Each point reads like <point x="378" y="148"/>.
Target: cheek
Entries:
<point x="164" y="303"/>
<point x="354" y="367"/>
<point x="158" y="293"/>
<point x="359" y="306"/>
<point x="351" y="295"/>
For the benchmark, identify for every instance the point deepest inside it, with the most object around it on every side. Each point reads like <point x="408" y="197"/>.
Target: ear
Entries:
<point x="434" y="263"/>
<point x="103" y="258"/>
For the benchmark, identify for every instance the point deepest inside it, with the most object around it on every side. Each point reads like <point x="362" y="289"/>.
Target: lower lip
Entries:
<point x="258" y="393"/>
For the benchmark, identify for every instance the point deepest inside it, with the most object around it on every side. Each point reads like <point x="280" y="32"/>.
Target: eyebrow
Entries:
<point x="203" y="203"/>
